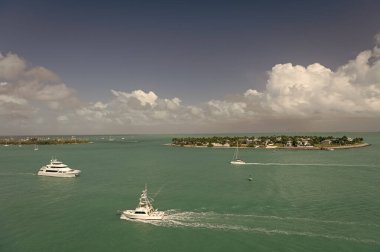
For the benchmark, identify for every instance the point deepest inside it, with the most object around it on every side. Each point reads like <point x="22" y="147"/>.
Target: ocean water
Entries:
<point x="297" y="201"/>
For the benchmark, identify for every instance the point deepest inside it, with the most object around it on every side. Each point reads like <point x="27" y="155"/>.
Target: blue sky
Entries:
<point x="196" y="62"/>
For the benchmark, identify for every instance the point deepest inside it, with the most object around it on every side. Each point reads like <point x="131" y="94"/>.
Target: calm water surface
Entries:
<point x="297" y="201"/>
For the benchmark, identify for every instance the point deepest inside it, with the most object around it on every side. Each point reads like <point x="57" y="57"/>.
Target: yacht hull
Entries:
<point x="58" y="169"/>
<point x="61" y="175"/>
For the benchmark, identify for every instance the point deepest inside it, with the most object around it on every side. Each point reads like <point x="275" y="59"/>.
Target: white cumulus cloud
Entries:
<point x="26" y="91"/>
<point x="296" y="97"/>
<point x="352" y="90"/>
<point x="137" y="95"/>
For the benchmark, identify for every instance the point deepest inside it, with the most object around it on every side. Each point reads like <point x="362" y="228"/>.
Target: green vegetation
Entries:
<point x="41" y="140"/>
<point x="268" y="141"/>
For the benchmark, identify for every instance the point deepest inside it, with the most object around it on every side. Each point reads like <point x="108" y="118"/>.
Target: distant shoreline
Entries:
<point x="277" y="148"/>
<point x="42" y="141"/>
<point x="283" y="142"/>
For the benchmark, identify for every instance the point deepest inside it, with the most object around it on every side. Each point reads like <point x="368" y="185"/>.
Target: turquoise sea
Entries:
<point x="297" y="201"/>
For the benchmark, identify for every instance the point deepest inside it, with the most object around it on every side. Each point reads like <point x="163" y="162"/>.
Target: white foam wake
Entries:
<point x="269" y="225"/>
<point x="296" y="164"/>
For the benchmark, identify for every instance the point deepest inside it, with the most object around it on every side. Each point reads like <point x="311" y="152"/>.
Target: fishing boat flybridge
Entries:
<point x="144" y="210"/>
<point x="58" y="169"/>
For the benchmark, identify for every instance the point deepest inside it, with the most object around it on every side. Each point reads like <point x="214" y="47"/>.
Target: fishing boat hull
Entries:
<point x="131" y="214"/>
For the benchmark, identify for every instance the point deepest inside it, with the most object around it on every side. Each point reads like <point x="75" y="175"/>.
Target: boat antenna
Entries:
<point x="159" y="190"/>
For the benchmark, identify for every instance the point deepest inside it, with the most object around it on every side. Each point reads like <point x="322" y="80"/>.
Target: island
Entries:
<point x="273" y="142"/>
<point x="41" y="140"/>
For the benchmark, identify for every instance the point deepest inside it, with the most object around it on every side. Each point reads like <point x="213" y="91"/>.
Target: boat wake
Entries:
<point x="272" y="225"/>
<point x="295" y="164"/>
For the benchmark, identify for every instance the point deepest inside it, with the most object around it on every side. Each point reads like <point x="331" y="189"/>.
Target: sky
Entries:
<point x="128" y="67"/>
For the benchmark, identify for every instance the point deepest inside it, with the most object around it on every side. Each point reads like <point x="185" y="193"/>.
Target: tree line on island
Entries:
<point x="268" y="141"/>
<point x="41" y="140"/>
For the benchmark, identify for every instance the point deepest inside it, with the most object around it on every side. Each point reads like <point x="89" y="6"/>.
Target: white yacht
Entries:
<point x="235" y="160"/>
<point x="58" y="169"/>
<point x="144" y="210"/>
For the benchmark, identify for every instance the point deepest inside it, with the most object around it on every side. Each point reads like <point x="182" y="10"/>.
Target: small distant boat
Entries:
<point x="238" y="162"/>
<point x="58" y="169"/>
<point x="250" y="178"/>
<point x="235" y="160"/>
<point x="144" y="210"/>
<point x="35" y="147"/>
<point x="270" y="146"/>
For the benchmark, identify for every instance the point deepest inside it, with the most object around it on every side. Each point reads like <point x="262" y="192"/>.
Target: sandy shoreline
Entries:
<point x="351" y="146"/>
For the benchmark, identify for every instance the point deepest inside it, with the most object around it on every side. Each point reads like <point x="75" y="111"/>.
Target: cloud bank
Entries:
<point x="33" y="100"/>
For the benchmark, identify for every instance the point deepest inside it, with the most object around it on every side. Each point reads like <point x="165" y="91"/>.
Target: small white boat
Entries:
<point x="235" y="160"/>
<point x="58" y="169"/>
<point x="144" y="210"/>
<point x="35" y="147"/>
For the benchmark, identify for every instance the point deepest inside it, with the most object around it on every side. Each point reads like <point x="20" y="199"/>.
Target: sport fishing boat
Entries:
<point x="58" y="169"/>
<point x="144" y="210"/>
